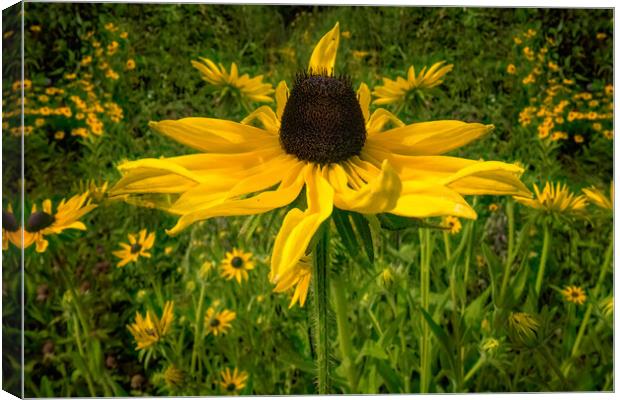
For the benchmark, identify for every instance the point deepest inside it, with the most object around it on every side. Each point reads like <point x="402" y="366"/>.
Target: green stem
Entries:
<point x="543" y="259"/>
<point x="198" y="327"/>
<point x="446" y="242"/>
<point x="553" y="364"/>
<point x="425" y="282"/>
<point x="595" y="293"/>
<point x="344" y="333"/>
<point x="509" y="257"/>
<point x="320" y="304"/>
<point x="474" y="369"/>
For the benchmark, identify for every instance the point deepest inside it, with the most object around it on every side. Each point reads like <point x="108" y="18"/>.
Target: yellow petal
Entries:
<point x="323" y="56"/>
<point x="422" y="200"/>
<point x="363" y="95"/>
<point x="298" y="227"/>
<point x="379" y="195"/>
<point x="379" y="119"/>
<point x="267" y="117"/>
<point x="428" y="138"/>
<point x="281" y="98"/>
<point x="213" y="135"/>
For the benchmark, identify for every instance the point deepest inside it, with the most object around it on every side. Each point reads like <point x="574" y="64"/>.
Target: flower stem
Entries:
<point x="320" y="304"/>
<point x="425" y="282"/>
<point x="543" y="259"/>
<point x="344" y="333"/>
<point x="509" y="257"/>
<point x="586" y="317"/>
<point x="199" y="325"/>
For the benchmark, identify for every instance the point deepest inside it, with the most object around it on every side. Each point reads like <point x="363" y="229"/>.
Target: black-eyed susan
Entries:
<point x="173" y="376"/>
<point x="524" y="328"/>
<point x="298" y="277"/>
<point x="493" y="207"/>
<point x="11" y="231"/>
<point x="233" y="382"/>
<point x="252" y="88"/>
<point x="574" y="294"/>
<point x="396" y="91"/>
<point x="555" y="198"/>
<point x="597" y="197"/>
<point x="138" y="247"/>
<point x="45" y="222"/>
<point x="218" y="323"/>
<point x="149" y="330"/>
<point x="453" y="224"/>
<point x="323" y="137"/>
<point x="236" y="265"/>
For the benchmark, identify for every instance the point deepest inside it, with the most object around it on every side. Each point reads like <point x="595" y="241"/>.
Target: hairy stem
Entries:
<point x="320" y="305"/>
<point x="543" y="259"/>
<point x="344" y="333"/>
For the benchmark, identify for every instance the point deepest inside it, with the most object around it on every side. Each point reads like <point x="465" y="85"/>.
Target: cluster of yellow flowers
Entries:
<point x="557" y="107"/>
<point x="79" y="96"/>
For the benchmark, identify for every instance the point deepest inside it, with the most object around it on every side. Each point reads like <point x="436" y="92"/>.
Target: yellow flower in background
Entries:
<point x="321" y="137"/>
<point x="173" y="376"/>
<point x="218" y="323"/>
<point x="205" y="269"/>
<point x="236" y="265"/>
<point x="11" y="231"/>
<point x="597" y="197"/>
<point x="124" y="35"/>
<point x="137" y="247"/>
<point x="59" y="135"/>
<point x="253" y="88"/>
<point x="578" y="139"/>
<point x="131" y="64"/>
<point x="601" y="36"/>
<point x="511" y="69"/>
<point x="493" y="207"/>
<point x="453" y="224"/>
<point x="555" y="198"/>
<point x="609" y="90"/>
<point x="574" y="294"/>
<point x="489" y="344"/>
<point x="396" y="91"/>
<point x="298" y="277"/>
<point x="35" y="28"/>
<point x="231" y="383"/>
<point x="607" y="306"/>
<point x="524" y="326"/>
<point x="150" y="329"/>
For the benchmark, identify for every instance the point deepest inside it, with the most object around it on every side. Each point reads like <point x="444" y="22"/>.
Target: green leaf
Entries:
<point x="396" y="223"/>
<point x="363" y="229"/>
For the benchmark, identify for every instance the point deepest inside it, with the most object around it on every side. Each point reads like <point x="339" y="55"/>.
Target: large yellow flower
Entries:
<point x="321" y="137"/>
<point x="597" y="197"/>
<point x="253" y="88"/>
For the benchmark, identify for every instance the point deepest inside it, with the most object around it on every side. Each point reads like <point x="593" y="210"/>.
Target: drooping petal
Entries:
<point x="324" y="54"/>
<point x="379" y="119"/>
<point x="423" y="199"/>
<point x="379" y="194"/>
<point x="298" y="227"/>
<point x="281" y="98"/>
<point x="213" y="135"/>
<point x="363" y="95"/>
<point x="428" y="138"/>
<point x="267" y="117"/>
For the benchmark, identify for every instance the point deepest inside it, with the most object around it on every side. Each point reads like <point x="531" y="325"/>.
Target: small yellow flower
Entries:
<point x="43" y="98"/>
<point x="83" y="132"/>
<point x="346" y="34"/>
<point x="299" y="277"/>
<point x="489" y="344"/>
<point x="236" y="265"/>
<point x="124" y="35"/>
<point x="232" y="383"/>
<point x="524" y="326"/>
<point x="553" y="66"/>
<point x="131" y="64"/>
<point x="253" y="88"/>
<point x="173" y="376"/>
<point x="609" y="90"/>
<point x="205" y="269"/>
<point x="70" y="76"/>
<point x="218" y="323"/>
<point x="601" y="36"/>
<point x="609" y="134"/>
<point x="578" y="139"/>
<point x="39" y="122"/>
<point x="35" y="28"/>
<point x="59" y="135"/>
<point x="511" y="69"/>
<point x="597" y="126"/>
<point x="168" y="250"/>
<point x="574" y="294"/>
<point x="529" y="79"/>
<point x="597" y="196"/>
<point x="11" y="230"/>
<point x="360" y="54"/>
<point x="607" y="306"/>
<point x="111" y="74"/>
<point x="453" y="224"/>
<point x="8" y="34"/>
<point x="112" y="47"/>
<point x="555" y="198"/>
<point x="493" y="207"/>
<point x="517" y="40"/>
<point x="396" y="91"/>
<point x="86" y="60"/>
<point x="149" y="330"/>
<point x="568" y="81"/>
<point x="110" y="27"/>
<point x="138" y="246"/>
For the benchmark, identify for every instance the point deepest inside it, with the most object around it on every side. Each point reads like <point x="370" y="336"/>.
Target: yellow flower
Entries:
<point x="555" y="198"/>
<point x="86" y="60"/>
<point x="453" y="224"/>
<point x="124" y="35"/>
<point x="517" y="40"/>
<point x="35" y="28"/>
<point x="609" y="134"/>
<point x="346" y="34"/>
<point x="396" y="91"/>
<point x="110" y="27"/>
<point x="511" y="69"/>
<point x="149" y="330"/>
<point x="70" y="76"/>
<point x="236" y="265"/>
<point x="574" y="294"/>
<point x="553" y="66"/>
<point x="43" y="98"/>
<point x="59" y="135"/>
<point x="11" y="231"/>
<point x="524" y="326"/>
<point x="205" y="269"/>
<point x="493" y="207"/>
<point x="559" y="136"/>
<point x="578" y="139"/>
<point x="529" y="79"/>
<point x="609" y="90"/>
<point x="138" y="246"/>
<point x="131" y="64"/>
<point x="601" y="36"/>
<point x="299" y="277"/>
<point x="112" y="47"/>
<point x="111" y="74"/>
<point x="39" y="122"/>
<point x="242" y="169"/>
<point x="597" y="197"/>
<point x="489" y="344"/>
<point x="607" y="306"/>
<point x="231" y="383"/>
<point x="252" y="88"/>
<point x="173" y="376"/>
<point x="218" y="323"/>
<point x="597" y="126"/>
<point x="79" y="132"/>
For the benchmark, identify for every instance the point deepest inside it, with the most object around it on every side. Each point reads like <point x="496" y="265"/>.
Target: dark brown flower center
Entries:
<point x="322" y="121"/>
<point x="236" y="262"/>
<point x="9" y="222"/>
<point x="38" y="221"/>
<point x="135" y="248"/>
<point x="214" y="323"/>
<point x="231" y="387"/>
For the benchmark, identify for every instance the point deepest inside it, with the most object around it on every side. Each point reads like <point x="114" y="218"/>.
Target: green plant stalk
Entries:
<point x="510" y="256"/>
<point x="446" y="242"/>
<point x="474" y="369"/>
<point x="319" y="307"/>
<point x="344" y="333"/>
<point x="80" y="346"/>
<point x="198" y="328"/>
<point x="544" y="352"/>
<point x="595" y="293"/>
<point x="543" y="259"/>
<point x="425" y="282"/>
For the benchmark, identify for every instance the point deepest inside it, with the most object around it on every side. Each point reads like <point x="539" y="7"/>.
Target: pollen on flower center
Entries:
<point x="322" y="121"/>
<point x="38" y="221"/>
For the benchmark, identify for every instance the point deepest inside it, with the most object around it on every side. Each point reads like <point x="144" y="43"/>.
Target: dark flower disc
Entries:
<point x="38" y="221"/>
<point x="9" y="222"/>
<point x="322" y="121"/>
